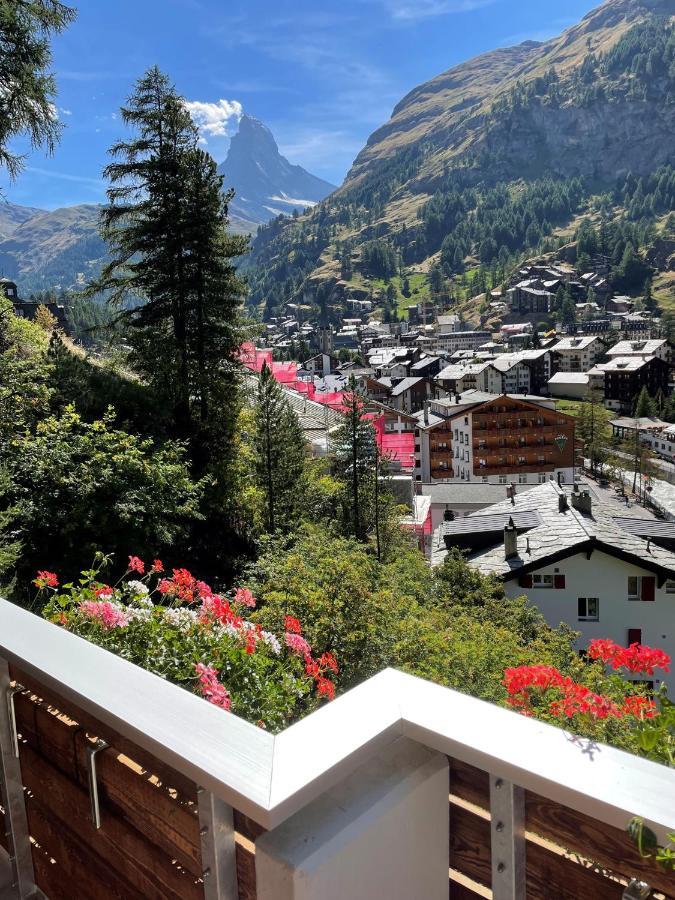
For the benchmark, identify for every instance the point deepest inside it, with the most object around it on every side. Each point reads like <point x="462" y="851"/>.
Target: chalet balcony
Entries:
<point x="118" y="784"/>
<point x="514" y="469"/>
<point x="497" y="439"/>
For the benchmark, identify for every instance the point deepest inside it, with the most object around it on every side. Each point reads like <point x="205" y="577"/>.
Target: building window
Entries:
<point x="542" y="581"/>
<point x="502" y="479"/>
<point x="642" y="587"/>
<point x="522" y="479"/>
<point x="589" y="609"/>
<point x="542" y="478"/>
<point x="670" y="587"/>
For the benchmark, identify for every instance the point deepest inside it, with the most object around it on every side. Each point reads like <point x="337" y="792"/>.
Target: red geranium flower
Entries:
<point x="136" y="564"/>
<point x="293" y="625"/>
<point x="46" y="579"/>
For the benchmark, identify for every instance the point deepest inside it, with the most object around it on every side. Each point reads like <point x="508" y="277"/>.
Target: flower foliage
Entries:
<point x="635" y="658"/>
<point x="177" y="627"/>
<point x="533" y="689"/>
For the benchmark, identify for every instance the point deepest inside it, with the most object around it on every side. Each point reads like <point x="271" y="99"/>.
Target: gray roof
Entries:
<point x="468" y="492"/>
<point x="646" y="527"/>
<point x="646" y="422"/>
<point x="404" y="386"/>
<point x="424" y="363"/>
<point x="565" y="533"/>
<point x="569" y="378"/>
<point x="523" y="520"/>
<point x="574" y="343"/>
<point x="313" y="416"/>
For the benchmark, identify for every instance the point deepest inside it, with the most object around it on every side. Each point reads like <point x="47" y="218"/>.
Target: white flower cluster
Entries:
<point x="181" y="618"/>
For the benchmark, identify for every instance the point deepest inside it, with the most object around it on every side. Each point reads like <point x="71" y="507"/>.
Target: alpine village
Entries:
<point x="337" y="517"/>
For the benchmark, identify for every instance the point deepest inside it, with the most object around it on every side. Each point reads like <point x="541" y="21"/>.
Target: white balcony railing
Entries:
<point x="277" y="781"/>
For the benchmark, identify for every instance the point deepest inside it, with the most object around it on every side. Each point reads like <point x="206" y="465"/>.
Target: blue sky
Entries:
<point x="321" y="75"/>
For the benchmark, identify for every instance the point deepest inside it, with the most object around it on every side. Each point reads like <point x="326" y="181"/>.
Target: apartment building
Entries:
<point x="578" y="354"/>
<point x="625" y="376"/>
<point x="494" y="439"/>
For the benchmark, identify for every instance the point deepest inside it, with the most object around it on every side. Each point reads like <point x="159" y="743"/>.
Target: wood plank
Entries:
<point x="611" y="848"/>
<point x="463" y="888"/>
<point x="78" y="871"/>
<point x="116" y="844"/>
<point x="132" y="796"/>
<point x="246" y="873"/>
<point x="166" y="775"/>
<point x="124" y="788"/>
<point x="552" y="875"/>
<point x="470" y="845"/>
<point x="470" y="783"/>
<point x="247" y="827"/>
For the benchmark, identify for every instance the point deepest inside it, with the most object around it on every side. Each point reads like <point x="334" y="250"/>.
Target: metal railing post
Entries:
<point x="11" y="791"/>
<point x="216" y="829"/>
<point x="507" y="809"/>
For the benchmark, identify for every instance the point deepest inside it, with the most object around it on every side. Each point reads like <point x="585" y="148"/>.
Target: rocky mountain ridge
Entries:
<point x="265" y="183"/>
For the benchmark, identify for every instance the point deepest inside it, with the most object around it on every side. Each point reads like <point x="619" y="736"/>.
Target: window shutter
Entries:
<point x="525" y="581"/>
<point x="559" y="582"/>
<point x="634" y="636"/>
<point x="648" y="588"/>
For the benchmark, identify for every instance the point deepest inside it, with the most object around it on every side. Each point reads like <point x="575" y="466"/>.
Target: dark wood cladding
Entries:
<point x="569" y="855"/>
<point x="518" y="436"/>
<point x="148" y="846"/>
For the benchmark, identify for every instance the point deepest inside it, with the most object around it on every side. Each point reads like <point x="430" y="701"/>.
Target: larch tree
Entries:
<point x="27" y="88"/>
<point x="280" y="453"/>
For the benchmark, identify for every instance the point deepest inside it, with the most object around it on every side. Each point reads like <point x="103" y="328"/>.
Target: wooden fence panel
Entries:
<point x="606" y="846"/>
<point x="116" y="845"/>
<point x="148" y="845"/>
<point x="164" y="774"/>
<point x="567" y="852"/>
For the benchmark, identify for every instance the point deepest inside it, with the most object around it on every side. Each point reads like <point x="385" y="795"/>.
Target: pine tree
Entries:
<point x="280" y="453"/>
<point x="213" y="290"/>
<point x="143" y="227"/>
<point x="645" y="406"/>
<point x="28" y="89"/>
<point x="165" y="225"/>
<point x="355" y="450"/>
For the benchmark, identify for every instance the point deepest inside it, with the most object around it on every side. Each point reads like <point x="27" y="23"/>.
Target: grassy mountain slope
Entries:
<point x="59" y="248"/>
<point x="519" y="137"/>
<point x="11" y="216"/>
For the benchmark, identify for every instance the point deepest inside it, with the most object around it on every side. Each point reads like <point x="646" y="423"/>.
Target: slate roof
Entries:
<point x="313" y="416"/>
<point x="405" y="385"/>
<point x="569" y="378"/>
<point x="562" y="534"/>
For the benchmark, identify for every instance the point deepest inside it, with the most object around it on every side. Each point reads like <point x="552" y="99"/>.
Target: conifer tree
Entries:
<point x="171" y="266"/>
<point x="355" y="452"/>
<point x="28" y="89"/>
<point x="644" y="405"/>
<point x="280" y="452"/>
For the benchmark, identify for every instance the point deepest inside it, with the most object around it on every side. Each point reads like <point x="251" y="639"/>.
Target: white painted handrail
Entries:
<point x="271" y="777"/>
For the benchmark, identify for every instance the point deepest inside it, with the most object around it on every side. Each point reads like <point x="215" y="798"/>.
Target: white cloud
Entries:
<point x="65" y="112"/>
<point x="409" y="10"/>
<point x="215" y="119"/>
